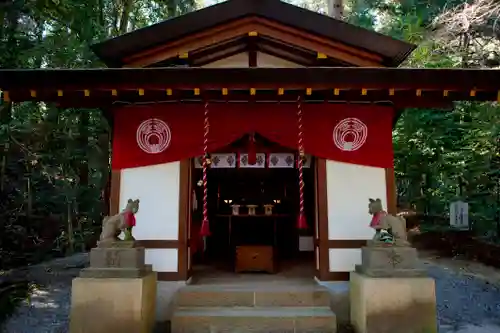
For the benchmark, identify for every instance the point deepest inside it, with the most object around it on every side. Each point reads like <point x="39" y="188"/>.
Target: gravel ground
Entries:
<point x="47" y="310"/>
<point x="466" y="304"/>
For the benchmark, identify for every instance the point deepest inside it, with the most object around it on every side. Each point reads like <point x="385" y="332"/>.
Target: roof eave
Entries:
<point x="113" y="50"/>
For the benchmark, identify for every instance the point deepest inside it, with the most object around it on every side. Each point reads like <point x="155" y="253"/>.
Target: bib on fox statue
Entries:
<point x="113" y="226"/>
<point x="389" y="229"/>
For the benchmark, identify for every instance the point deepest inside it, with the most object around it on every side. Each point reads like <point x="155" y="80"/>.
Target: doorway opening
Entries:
<point x="253" y="212"/>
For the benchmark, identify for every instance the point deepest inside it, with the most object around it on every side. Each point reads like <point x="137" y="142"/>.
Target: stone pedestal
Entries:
<point x="390" y="293"/>
<point x="125" y="305"/>
<point x="117" y="293"/>
<point x="393" y="305"/>
<point x="382" y="261"/>
<point x="117" y="262"/>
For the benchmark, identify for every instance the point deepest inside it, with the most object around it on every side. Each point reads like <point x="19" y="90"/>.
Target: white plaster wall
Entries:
<point x="349" y="186"/>
<point x="237" y="60"/>
<point x="157" y="188"/>
<point x="269" y="61"/>
<point x="240" y="60"/>
<point x="344" y="260"/>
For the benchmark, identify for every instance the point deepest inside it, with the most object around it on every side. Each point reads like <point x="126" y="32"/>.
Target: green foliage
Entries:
<point x="441" y="155"/>
<point x="11" y="294"/>
<point x="54" y="163"/>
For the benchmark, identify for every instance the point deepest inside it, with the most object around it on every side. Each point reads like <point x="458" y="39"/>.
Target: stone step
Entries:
<point x="253" y="296"/>
<point x="253" y="320"/>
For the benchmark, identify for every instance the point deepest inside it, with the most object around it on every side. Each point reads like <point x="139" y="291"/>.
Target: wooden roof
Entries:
<point x="228" y="16"/>
<point x="401" y="87"/>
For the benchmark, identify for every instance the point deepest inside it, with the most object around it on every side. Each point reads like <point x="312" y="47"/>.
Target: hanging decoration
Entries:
<point x="263" y="160"/>
<point x="205" y="228"/>
<point x="301" y="223"/>
<point x="252" y="153"/>
<point x="356" y="134"/>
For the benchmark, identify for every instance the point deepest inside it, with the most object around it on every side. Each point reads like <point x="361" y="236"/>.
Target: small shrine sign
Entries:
<point x="459" y="214"/>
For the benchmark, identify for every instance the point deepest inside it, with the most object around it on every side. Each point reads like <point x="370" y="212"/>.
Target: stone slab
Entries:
<point x="392" y="305"/>
<point x="193" y="297"/>
<point x="391" y="272"/>
<point x="113" y="305"/>
<point x="227" y="296"/>
<point x="393" y="257"/>
<point x="117" y="257"/>
<point x="253" y="320"/>
<point x="291" y="297"/>
<point x="124" y="273"/>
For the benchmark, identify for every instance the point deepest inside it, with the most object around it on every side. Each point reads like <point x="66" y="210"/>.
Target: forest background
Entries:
<point x="54" y="163"/>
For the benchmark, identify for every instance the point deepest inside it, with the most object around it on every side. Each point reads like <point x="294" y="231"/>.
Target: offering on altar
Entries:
<point x="236" y="209"/>
<point x="268" y="209"/>
<point x="251" y="209"/>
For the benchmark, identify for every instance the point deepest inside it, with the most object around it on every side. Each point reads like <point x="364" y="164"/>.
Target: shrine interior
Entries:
<point x="281" y="245"/>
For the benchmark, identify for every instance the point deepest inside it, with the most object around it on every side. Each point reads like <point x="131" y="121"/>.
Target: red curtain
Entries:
<point x="147" y="135"/>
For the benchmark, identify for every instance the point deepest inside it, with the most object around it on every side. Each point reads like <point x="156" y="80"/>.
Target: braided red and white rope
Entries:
<point x="205" y="230"/>
<point x="300" y="135"/>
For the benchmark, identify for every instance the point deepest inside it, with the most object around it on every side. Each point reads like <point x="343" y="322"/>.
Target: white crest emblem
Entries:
<point x="153" y="136"/>
<point x="350" y="134"/>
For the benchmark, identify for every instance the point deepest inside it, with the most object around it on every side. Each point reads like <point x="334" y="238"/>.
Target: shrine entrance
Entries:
<point x="253" y="209"/>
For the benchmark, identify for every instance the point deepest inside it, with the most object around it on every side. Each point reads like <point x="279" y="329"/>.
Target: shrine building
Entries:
<point x="253" y="133"/>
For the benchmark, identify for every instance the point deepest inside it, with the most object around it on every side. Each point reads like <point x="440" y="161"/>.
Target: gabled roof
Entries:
<point x="113" y="51"/>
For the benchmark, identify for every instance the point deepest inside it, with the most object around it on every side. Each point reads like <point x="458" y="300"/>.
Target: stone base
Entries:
<point x="121" y="273"/>
<point x="117" y="257"/>
<point x="113" y="305"/>
<point x="391" y="272"/>
<point x="389" y="257"/>
<point x="116" y="243"/>
<point x="393" y="305"/>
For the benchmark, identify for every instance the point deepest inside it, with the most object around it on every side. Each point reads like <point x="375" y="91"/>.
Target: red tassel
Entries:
<point x="252" y="154"/>
<point x="205" y="229"/>
<point x="301" y="223"/>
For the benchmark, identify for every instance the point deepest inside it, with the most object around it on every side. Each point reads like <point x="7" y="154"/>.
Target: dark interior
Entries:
<point x="254" y="186"/>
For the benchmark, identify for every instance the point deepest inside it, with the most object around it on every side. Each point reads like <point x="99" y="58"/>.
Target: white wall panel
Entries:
<point x="157" y="188"/>
<point x="344" y="260"/>
<point x="163" y="260"/>
<point x="349" y="186"/>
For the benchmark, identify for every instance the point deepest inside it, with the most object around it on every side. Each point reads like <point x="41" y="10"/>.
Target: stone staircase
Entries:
<point x="266" y="308"/>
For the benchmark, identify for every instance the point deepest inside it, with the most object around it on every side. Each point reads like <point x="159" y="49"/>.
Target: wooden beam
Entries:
<point x="102" y="98"/>
<point x="252" y="51"/>
<point x="216" y="56"/>
<point x="431" y="82"/>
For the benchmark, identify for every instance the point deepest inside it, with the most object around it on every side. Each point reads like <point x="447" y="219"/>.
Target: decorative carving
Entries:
<point x="112" y="259"/>
<point x="112" y="226"/>
<point x="389" y="229"/>
<point x="394" y="258"/>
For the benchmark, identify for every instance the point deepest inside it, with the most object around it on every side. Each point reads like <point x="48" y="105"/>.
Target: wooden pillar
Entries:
<point x="390" y="180"/>
<point x="184" y="220"/>
<point x="322" y="243"/>
<point x="114" y="196"/>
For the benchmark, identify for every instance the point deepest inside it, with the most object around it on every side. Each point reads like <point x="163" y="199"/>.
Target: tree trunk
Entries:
<point x="336" y="9"/>
<point x="124" y="18"/>
<point x="83" y="168"/>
